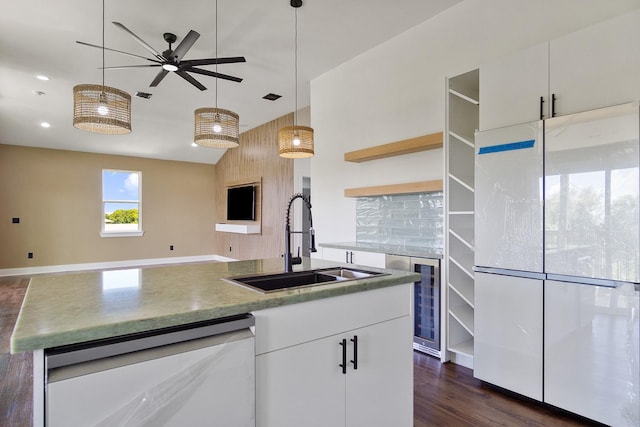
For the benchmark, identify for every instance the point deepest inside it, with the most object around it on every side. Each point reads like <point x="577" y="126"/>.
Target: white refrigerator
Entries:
<point x="557" y="262"/>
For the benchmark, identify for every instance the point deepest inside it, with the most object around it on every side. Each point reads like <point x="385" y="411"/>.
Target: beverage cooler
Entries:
<point x="557" y="261"/>
<point x="426" y="309"/>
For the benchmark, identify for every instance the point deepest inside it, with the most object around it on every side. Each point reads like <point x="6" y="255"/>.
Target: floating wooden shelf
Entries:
<point x="381" y="190"/>
<point x="406" y="146"/>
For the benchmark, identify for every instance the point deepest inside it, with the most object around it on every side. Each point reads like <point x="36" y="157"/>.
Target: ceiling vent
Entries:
<point x="271" y="96"/>
<point x="144" y="95"/>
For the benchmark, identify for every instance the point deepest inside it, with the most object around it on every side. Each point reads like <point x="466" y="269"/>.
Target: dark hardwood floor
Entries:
<point x="445" y="394"/>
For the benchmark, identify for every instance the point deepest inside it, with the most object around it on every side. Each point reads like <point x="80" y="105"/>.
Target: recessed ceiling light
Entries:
<point x="193" y="144"/>
<point x="38" y="92"/>
<point x="42" y="77"/>
<point x="45" y="125"/>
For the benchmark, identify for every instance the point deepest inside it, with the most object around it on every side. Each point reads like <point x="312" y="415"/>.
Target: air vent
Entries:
<point x="144" y="95"/>
<point x="271" y="96"/>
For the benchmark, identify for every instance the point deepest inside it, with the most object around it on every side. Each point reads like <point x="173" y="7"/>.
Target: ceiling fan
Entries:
<point x="171" y="59"/>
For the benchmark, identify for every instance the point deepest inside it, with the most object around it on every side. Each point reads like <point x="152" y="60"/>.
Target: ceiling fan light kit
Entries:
<point x="295" y="142"/>
<point x="99" y="108"/>
<point x="208" y="118"/>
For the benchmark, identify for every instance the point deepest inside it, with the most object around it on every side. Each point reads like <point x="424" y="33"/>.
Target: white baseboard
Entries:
<point x="28" y="271"/>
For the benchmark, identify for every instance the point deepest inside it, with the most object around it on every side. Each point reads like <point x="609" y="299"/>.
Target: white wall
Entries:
<point x="396" y="91"/>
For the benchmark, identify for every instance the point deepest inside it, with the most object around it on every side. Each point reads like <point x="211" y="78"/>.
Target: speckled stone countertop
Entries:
<point x="61" y="309"/>
<point x="385" y="249"/>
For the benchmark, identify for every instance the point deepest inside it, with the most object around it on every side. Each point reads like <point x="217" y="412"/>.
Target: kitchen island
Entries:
<point x="82" y="308"/>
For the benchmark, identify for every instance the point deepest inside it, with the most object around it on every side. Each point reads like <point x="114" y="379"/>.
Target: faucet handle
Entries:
<point x="312" y="243"/>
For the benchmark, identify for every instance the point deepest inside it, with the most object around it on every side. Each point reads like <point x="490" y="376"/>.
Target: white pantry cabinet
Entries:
<point x="370" y="259"/>
<point x="299" y="377"/>
<point x="595" y="67"/>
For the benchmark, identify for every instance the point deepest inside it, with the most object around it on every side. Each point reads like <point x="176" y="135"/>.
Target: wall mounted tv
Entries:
<point x="241" y="203"/>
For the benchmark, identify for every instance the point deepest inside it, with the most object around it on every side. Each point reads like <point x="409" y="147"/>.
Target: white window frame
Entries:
<point x="133" y="233"/>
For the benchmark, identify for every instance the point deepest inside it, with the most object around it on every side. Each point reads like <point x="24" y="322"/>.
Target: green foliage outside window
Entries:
<point x="123" y="216"/>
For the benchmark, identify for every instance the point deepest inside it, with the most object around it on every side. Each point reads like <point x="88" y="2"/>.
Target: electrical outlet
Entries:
<point x="30" y="255"/>
<point x="170" y="247"/>
<point x="15" y="220"/>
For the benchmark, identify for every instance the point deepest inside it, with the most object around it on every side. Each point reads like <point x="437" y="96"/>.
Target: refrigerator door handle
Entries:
<point x="508" y="272"/>
<point x="608" y="283"/>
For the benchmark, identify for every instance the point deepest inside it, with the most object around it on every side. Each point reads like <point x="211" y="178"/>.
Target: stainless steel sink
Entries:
<point x="266" y="283"/>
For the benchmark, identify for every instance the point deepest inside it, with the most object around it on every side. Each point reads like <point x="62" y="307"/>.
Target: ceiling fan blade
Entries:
<point x="118" y="67"/>
<point x="115" y="50"/>
<point x="191" y="80"/>
<point x="211" y="61"/>
<point x="185" y="45"/>
<point x="139" y="40"/>
<point x="158" y="78"/>
<point x="212" y="74"/>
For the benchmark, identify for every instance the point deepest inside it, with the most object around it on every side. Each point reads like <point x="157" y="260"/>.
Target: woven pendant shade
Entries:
<point x="204" y="133"/>
<point x="288" y="148"/>
<point x="101" y="109"/>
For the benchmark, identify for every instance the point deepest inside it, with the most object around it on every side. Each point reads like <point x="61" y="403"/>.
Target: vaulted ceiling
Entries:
<point x="38" y="37"/>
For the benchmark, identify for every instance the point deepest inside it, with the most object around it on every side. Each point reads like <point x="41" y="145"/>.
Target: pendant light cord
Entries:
<point x="102" y="43"/>
<point x="295" y="67"/>
<point x="216" y="54"/>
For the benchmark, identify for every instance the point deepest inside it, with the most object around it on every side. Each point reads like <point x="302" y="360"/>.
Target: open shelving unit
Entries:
<point x="463" y="109"/>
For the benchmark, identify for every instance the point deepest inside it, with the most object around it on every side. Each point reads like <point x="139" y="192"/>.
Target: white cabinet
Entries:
<point x="597" y="66"/>
<point x="594" y="67"/>
<point x="591" y="354"/>
<point x="508" y="339"/>
<point x="299" y="380"/>
<point x="511" y="88"/>
<point x="308" y="386"/>
<point x="366" y="258"/>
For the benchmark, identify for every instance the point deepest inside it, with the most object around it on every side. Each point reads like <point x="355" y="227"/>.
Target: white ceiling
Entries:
<point x="38" y="37"/>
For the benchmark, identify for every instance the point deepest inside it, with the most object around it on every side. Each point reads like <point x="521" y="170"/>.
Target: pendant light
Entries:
<point x="295" y="142"/>
<point x="215" y="127"/>
<point x="100" y="108"/>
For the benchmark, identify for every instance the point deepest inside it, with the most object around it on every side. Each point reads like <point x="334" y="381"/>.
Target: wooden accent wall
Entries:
<point x="256" y="159"/>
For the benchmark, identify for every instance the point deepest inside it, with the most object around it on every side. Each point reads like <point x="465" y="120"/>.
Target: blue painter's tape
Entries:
<point x="507" y="147"/>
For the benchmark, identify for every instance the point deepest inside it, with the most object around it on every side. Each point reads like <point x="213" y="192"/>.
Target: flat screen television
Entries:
<point x="241" y="203"/>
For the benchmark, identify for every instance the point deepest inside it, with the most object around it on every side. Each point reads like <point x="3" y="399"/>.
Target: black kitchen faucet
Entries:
<point x="289" y="260"/>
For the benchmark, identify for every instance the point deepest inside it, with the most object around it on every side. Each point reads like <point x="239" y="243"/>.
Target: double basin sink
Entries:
<point x="266" y="283"/>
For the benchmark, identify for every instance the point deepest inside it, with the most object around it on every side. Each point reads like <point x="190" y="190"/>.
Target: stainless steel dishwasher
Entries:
<point x="426" y="311"/>
<point x="200" y="374"/>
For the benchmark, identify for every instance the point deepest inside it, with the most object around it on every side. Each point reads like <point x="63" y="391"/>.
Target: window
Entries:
<point x="121" y="203"/>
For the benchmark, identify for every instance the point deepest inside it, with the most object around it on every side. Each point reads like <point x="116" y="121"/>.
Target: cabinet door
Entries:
<point x="597" y="66"/>
<point x="511" y="87"/>
<point x="508" y="198"/>
<point x="301" y="385"/>
<point x="369" y="259"/>
<point x="508" y="333"/>
<point x="334" y="254"/>
<point x="592" y="350"/>
<point x="380" y="391"/>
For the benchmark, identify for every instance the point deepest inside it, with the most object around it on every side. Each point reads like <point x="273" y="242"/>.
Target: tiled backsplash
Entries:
<point x="415" y="219"/>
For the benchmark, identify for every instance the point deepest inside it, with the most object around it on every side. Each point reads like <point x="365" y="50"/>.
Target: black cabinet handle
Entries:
<point x="553" y="105"/>
<point x="354" y="340"/>
<point x="541" y="108"/>
<point x="346" y="257"/>
<point x="343" y="365"/>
